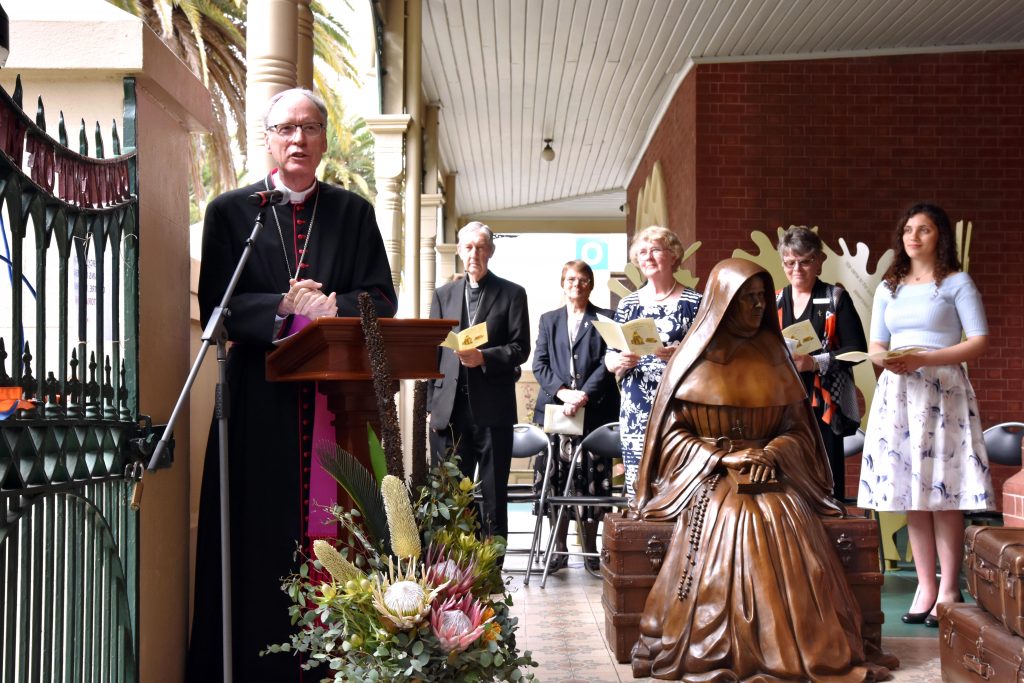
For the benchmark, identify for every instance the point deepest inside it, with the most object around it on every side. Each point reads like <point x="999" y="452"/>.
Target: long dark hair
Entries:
<point x="946" y="260"/>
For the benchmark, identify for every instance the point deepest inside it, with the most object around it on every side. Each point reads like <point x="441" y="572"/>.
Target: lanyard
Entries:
<point x="572" y="338"/>
<point x="479" y="301"/>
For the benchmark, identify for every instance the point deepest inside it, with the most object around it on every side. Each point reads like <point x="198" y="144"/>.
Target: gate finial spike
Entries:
<point x="83" y="141"/>
<point x="40" y="114"/>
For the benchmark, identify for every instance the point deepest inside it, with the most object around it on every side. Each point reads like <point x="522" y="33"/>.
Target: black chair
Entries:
<point x="603" y="442"/>
<point x="1002" y="441"/>
<point x="528" y="440"/>
<point x="853" y="445"/>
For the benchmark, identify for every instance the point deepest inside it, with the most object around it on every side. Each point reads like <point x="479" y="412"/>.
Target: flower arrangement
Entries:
<point x="418" y="599"/>
<point x="409" y="615"/>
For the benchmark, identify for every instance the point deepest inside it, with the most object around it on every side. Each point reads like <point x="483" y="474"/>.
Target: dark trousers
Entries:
<point x="836" y="459"/>
<point x="488" y="447"/>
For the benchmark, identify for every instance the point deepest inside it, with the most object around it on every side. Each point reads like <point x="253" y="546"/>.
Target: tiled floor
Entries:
<point x="563" y="626"/>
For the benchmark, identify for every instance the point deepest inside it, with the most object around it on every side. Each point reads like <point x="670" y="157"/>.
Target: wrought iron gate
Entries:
<point x="68" y="401"/>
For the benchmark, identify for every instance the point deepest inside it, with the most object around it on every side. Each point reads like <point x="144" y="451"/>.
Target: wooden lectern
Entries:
<point x="332" y="352"/>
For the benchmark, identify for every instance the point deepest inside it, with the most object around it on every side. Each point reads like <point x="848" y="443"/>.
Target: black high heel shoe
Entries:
<point x="932" y="621"/>
<point x="917" y="617"/>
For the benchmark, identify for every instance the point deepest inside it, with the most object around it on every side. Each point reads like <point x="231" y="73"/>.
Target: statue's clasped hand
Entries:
<point x="757" y="461"/>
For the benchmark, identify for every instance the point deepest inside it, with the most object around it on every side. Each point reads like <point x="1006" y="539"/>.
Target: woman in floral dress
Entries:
<point x="924" y="452"/>
<point x="657" y="252"/>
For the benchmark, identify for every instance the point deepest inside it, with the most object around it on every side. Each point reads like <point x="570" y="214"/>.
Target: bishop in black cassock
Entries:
<point x="313" y="257"/>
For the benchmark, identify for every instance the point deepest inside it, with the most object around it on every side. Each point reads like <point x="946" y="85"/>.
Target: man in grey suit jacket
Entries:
<point x="473" y="408"/>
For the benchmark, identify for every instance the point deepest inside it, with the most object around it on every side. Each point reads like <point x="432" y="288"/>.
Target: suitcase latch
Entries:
<point x="1009" y="582"/>
<point x="984" y="571"/>
<point x="974" y="664"/>
<point x="655" y="552"/>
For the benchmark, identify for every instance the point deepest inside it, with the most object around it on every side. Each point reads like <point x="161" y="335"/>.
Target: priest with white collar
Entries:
<point x="473" y="408"/>
<point x="318" y="249"/>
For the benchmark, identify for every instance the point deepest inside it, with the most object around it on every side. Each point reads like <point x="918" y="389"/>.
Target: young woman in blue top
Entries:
<point x="924" y="453"/>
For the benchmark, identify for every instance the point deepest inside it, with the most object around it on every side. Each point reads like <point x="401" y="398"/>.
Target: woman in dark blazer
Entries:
<point x="568" y="362"/>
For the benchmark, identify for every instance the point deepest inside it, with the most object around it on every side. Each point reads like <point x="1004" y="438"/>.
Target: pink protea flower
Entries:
<point x="458" y="622"/>
<point x="442" y="568"/>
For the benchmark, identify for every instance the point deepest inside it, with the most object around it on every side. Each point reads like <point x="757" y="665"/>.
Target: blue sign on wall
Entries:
<point x="593" y="251"/>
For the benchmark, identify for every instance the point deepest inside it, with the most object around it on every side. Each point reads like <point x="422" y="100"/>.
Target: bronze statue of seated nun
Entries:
<point x="750" y="589"/>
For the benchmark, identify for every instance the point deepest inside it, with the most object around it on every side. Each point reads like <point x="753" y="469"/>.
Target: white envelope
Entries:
<point x="557" y="422"/>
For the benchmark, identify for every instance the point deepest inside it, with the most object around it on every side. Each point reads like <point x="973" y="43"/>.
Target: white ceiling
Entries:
<point x="595" y="75"/>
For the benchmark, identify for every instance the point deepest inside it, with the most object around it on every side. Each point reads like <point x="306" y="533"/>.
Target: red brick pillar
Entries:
<point x="1013" y="499"/>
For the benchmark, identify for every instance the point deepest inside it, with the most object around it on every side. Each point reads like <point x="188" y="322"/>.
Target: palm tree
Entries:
<point x="209" y="36"/>
<point x="349" y="158"/>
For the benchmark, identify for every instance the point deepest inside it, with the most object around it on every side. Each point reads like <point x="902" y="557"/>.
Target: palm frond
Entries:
<point x="378" y="461"/>
<point x="360" y="484"/>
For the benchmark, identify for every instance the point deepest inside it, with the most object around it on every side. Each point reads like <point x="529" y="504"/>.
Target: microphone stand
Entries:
<point x="215" y="332"/>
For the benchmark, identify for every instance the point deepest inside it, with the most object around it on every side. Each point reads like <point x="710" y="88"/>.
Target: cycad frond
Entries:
<point x="360" y="484"/>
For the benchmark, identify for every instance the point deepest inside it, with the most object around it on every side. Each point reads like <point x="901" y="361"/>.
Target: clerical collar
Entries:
<point x="294" y="196"/>
<point x="479" y="283"/>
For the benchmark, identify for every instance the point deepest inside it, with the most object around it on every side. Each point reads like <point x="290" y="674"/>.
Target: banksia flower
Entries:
<point x="405" y="534"/>
<point x="341" y="570"/>
<point x="383" y="386"/>
<point x="419" y="435"/>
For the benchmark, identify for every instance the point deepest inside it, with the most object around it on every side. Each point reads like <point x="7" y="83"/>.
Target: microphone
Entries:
<point x="267" y="198"/>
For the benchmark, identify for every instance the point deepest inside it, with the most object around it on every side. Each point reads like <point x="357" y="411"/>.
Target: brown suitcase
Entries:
<point x="995" y="565"/>
<point x="632" y="552"/>
<point x="974" y="646"/>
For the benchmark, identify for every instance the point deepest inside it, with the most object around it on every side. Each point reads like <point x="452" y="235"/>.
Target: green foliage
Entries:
<point x="377" y="458"/>
<point x="360" y="485"/>
<point x="448" y="518"/>
<point x="340" y="627"/>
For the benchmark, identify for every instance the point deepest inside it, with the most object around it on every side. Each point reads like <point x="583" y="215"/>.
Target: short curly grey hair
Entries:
<point x="663" y="236"/>
<point x="800" y="239"/>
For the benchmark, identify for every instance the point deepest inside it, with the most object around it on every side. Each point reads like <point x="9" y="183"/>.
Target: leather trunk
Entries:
<point x="974" y="646"/>
<point x="632" y="552"/>
<point x="995" y="565"/>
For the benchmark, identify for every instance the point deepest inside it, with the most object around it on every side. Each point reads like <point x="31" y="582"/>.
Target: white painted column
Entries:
<point x="430" y="218"/>
<point x="446" y="262"/>
<point x="304" y="45"/>
<point x="446" y="259"/>
<point x="389" y="167"/>
<point x="409" y="299"/>
<point x="270" y="52"/>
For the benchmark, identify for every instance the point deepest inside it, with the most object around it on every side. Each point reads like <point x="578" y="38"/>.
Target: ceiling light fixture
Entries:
<point x="547" y="154"/>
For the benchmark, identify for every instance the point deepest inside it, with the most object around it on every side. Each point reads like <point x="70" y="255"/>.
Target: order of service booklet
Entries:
<point x="858" y="356"/>
<point x="469" y="338"/>
<point x="638" y="336"/>
<point x="806" y="338"/>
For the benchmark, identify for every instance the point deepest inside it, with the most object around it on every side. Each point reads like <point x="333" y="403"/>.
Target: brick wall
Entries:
<point x="847" y="144"/>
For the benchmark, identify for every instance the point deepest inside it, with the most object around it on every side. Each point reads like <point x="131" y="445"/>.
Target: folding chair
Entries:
<point x="528" y="440"/>
<point x="1002" y="442"/>
<point x="602" y="442"/>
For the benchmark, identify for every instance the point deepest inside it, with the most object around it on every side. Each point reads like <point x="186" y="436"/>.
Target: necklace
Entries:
<point x="664" y="296"/>
<point x="305" y="241"/>
<point x="926" y="276"/>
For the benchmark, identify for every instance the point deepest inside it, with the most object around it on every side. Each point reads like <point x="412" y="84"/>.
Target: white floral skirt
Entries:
<point x="924" y="448"/>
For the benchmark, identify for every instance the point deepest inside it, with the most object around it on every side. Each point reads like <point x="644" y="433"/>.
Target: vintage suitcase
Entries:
<point x="995" y="565"/>
<point x="631" y="555"/>
<point x="974" y="646"/>
<point x="632" y="552"/>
